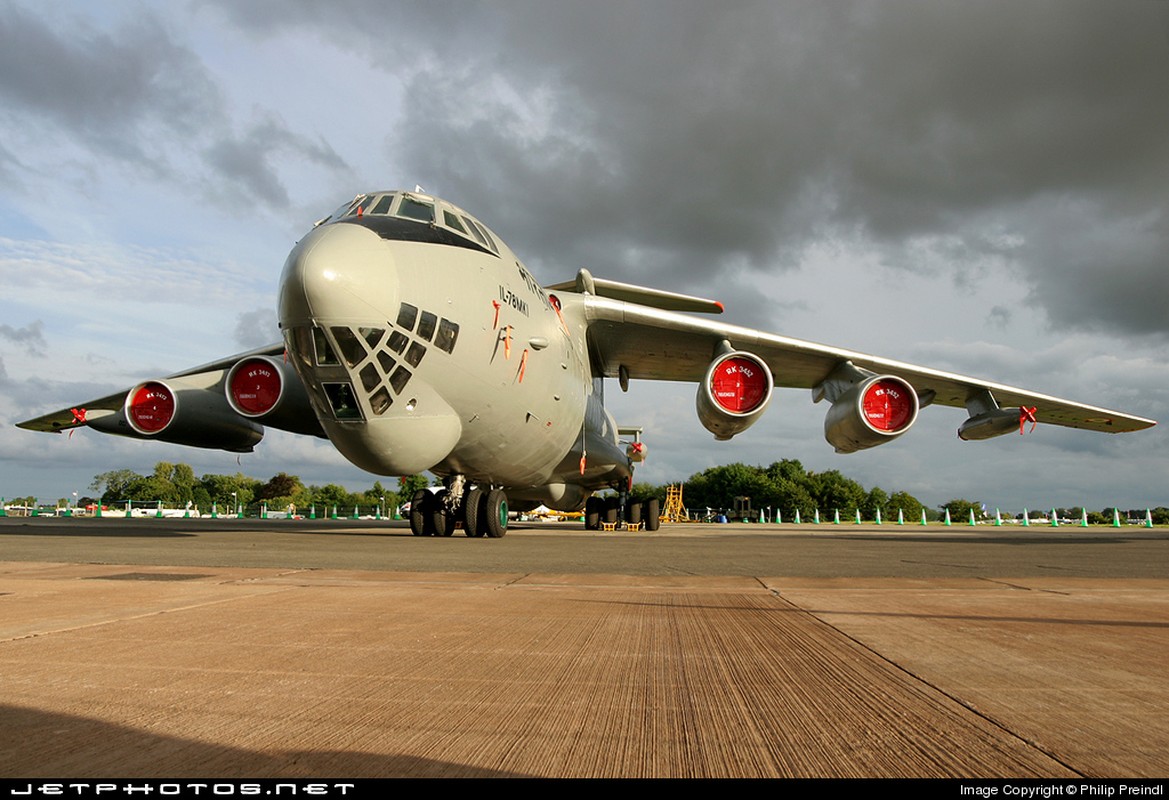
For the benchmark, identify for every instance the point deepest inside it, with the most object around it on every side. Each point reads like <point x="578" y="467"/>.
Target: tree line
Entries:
<point x="175" y="486"/>
<point x="784" y="487"/>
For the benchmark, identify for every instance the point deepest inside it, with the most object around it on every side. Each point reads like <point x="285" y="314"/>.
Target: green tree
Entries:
<point x="876" y="500"/>
<point x="960" y="509"/>
<point x="113" y="485"/>
<point x="832" y="491"/>
<point x="373" y="497"/>
<point x="646" y="491"/>
<point x="904" y="502"/>
<point x="220" y="487"/>
<point x="331" y="495"/>
<point x="409" y="484"/>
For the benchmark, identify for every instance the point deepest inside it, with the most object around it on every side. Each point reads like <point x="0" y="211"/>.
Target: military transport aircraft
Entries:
<point x="415" y="339"/>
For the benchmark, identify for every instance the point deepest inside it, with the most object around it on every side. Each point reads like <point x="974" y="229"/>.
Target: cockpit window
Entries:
<point x="383" y="205"/>
<point x="452" y="221"/>
<point x="475" y="232"/>
<point x="359" y="203"/>
<point x="483" y="235"/>
<point x="416" y="209"/>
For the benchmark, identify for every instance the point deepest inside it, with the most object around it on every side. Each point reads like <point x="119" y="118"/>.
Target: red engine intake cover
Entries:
<point x="255" y="386"/>
<point x="887" y="405"/>
<point x="150" y="408"/>
<point x="738" y="385"/>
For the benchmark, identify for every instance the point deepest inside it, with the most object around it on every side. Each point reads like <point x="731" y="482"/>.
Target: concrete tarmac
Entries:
<point x="220" y="648"/>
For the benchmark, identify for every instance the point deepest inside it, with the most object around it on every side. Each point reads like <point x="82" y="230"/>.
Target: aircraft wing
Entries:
<point x="200" y="414"/>
<point x="658" y="344"/>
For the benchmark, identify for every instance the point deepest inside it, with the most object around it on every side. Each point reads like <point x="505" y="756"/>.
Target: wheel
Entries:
<point x="611" y="506"/>
<point x="593" y="513"/>
<point x="633" y="512"/>
<point x="420" y="512"/>
<point x="475" y="512"/>
<point x="442" y="521"/>
<point x="496" y="513"/>
<point x="651" y="512"/>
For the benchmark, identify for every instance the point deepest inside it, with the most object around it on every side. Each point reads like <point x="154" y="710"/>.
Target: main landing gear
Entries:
<point x="619" y="511"/>
<point x="481" y="512"/>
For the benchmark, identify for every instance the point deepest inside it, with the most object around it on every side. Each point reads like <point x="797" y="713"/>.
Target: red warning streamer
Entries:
<point x="78" y="417"/>
<point x="1026" y="414"/>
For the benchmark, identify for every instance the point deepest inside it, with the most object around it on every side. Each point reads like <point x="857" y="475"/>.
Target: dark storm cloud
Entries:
<point x="253" y="160"/>
<point x="135" y="95"/>
<point x="687" y="141"/>
<point x="30" y="338"/>
<point x="112" y="91"/>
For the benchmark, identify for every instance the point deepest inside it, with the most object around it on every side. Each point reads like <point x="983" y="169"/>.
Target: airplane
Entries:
<point x="414" y="339"/>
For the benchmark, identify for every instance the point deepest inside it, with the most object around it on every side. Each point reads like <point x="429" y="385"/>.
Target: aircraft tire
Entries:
<point x="475" y="513"/>
<point x="633" y="512"/>
<point x="442" y="521"/>
<point x="611" y="506"/>
<point x="419" y="512"/>
<point x="593" y="514"/>
<point x="496" y="513"/>
<point x="652" y="514"/>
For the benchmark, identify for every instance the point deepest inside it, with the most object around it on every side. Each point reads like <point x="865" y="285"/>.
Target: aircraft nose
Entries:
<point x="337" y="273"/>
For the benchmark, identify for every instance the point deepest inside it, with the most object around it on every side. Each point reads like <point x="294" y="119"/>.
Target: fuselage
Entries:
<point x="425" y="344"/>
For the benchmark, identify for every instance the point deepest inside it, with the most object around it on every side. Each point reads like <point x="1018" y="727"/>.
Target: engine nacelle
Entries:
<point x="179" y="413"/>
<point x="734" y="393"/>
<point x="990" y="424"/>
<point x="874" y="411"/>
<point x="267" y="389"/>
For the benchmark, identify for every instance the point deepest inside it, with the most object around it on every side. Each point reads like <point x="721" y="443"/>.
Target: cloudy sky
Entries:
<point x="981" y="187"/>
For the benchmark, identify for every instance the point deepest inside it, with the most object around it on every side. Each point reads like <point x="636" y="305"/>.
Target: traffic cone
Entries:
<point x="1026" y="519"/>
<point x="878" y="516"/>
<point x="1054" y="519"/>
<point x="797" y="517"/>
<point x="1115" y="517"/>
<point x="947" y="522"/>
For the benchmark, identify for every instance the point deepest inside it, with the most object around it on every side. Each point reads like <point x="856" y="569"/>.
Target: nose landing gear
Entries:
<point x="481" y="512"/>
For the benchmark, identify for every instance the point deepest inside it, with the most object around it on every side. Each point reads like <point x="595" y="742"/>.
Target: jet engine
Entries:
<point x="874" y="411"/>
<point x="733" y="394"/>
<point x="263" y="388"/>
<point x="181" y="413"/>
